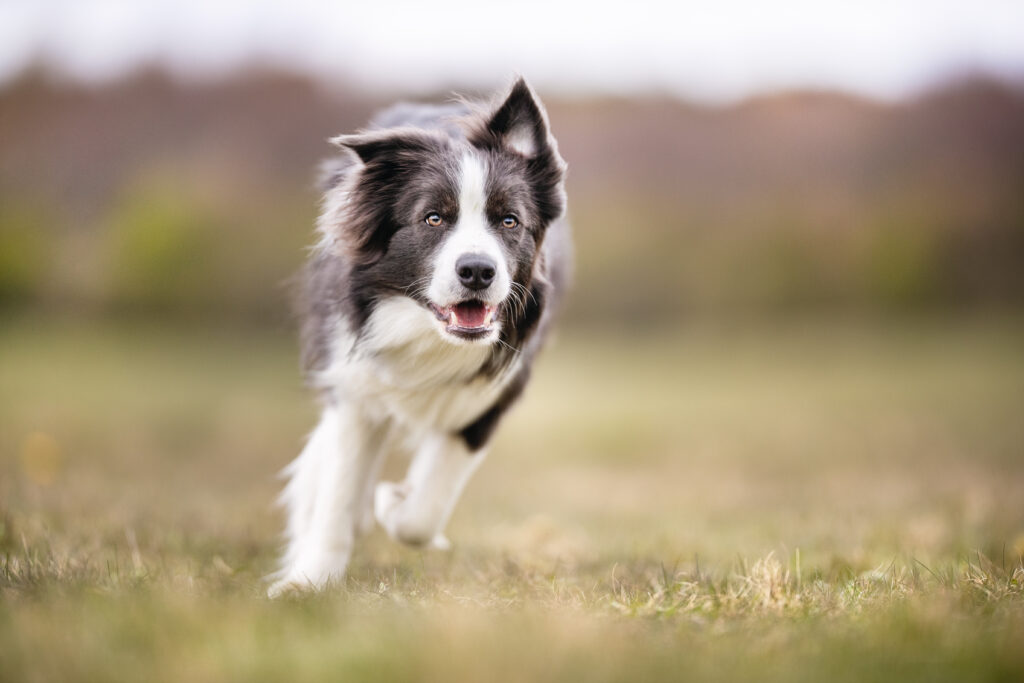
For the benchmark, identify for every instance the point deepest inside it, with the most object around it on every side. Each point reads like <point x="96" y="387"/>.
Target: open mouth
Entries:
<point x="469" y="319"/>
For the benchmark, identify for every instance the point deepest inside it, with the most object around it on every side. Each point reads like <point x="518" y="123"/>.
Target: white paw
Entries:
<point x="308" y="574"/>
<point x="386" y="499"/>
<point x="391" y="507"/>
<point x="440" y="542"/>
<point x="301" y="582"/>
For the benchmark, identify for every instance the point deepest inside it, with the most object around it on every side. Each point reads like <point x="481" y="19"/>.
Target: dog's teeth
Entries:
<point x="488" y="316"/>
<point x="452" y="318"/>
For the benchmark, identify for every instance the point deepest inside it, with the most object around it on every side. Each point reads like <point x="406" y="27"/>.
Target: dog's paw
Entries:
<point x="441" y="542"/>
<point x="386" y="498"/>
<point x="390" y="507"/>
<point x="296" y="582"/>
<point x="312" y="572"/>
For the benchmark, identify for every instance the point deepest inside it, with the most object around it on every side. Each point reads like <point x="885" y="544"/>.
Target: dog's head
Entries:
<point x="453" y="222"/>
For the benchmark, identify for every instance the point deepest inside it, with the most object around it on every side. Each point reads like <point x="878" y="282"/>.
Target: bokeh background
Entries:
<point x="158" y="158"/>
<point x="795" y="340"/>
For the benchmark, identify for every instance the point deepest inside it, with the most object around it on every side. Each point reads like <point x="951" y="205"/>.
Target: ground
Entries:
<point x="786" y="501"/>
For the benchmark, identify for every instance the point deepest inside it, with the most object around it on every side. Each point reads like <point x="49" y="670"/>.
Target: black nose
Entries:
<point x="476" y="271"/>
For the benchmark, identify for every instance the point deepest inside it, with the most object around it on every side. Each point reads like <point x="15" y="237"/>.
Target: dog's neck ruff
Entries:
<point x="400" y="366"/>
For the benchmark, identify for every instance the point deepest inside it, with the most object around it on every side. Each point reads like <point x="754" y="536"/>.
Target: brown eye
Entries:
<point x="509" y="221"/>
<point x="433" y="219"/>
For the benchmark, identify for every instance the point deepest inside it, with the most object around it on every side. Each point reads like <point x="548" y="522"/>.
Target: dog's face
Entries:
<point x="454" y="223"/>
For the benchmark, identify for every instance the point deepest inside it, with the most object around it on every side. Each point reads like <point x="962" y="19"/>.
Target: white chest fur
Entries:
<point x="402" y="367"/>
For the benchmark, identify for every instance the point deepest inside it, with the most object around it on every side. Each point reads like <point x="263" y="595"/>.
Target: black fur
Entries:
<point x="476" y="433"/>
<point x="380" y="246"/>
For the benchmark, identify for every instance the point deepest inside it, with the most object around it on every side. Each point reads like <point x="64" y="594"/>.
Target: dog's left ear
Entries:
<point x="520" y="124"/>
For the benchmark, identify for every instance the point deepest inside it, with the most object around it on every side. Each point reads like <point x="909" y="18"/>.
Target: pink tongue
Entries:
<point x="470" y="314"/>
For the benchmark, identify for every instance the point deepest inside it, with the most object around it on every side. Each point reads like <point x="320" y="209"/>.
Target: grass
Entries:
<point x="788" y="502"/>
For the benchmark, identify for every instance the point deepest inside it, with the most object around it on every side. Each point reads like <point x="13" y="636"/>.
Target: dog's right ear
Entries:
<point x="389" y="158"/>
<point x="374" y="145"/>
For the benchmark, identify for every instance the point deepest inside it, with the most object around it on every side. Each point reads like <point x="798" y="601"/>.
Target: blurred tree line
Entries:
<point x="151" y="196"/>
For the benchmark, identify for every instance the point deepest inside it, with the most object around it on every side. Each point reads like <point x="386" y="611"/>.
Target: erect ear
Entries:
<point x="377" y="144"/>
<point x="519" y="122"/>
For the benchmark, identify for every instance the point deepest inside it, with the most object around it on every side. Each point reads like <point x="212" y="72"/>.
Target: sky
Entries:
<point x="711" y="51"/>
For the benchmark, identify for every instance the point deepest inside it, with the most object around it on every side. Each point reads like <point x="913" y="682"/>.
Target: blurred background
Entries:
<point x="158" y="158"/>
<point x="796" y="319"/>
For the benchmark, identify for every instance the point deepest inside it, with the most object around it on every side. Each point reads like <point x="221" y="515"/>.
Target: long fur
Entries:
<point x="395" y="335"/>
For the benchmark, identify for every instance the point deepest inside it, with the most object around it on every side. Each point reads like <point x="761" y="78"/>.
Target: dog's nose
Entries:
<point x="476" y="271"/>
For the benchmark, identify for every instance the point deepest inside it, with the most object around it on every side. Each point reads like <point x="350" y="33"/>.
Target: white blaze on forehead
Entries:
<point x="471" y="235"/>
<point x="472" y="187"/>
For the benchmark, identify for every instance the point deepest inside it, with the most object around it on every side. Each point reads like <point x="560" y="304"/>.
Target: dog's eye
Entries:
<point x="509" y="221"/>
<point x="433" y="219"/>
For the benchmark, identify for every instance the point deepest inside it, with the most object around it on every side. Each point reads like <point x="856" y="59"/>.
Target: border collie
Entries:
<point x="443" y="251"/>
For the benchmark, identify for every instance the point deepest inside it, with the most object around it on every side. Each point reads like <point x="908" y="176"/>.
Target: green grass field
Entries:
<point x="786" y="502"/>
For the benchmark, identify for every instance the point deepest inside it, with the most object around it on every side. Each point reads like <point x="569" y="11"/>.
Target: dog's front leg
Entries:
<point x="325" y="489"/>
<point x="417" y="510"/>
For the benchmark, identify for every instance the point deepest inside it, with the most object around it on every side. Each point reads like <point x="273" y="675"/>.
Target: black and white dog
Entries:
<point x="442" y="255"/>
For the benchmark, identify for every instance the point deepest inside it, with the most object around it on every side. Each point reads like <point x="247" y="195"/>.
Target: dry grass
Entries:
<point x="788" y="503"/>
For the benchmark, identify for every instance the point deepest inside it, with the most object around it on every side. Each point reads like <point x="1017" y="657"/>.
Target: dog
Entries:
<point x="443" y="255"/>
